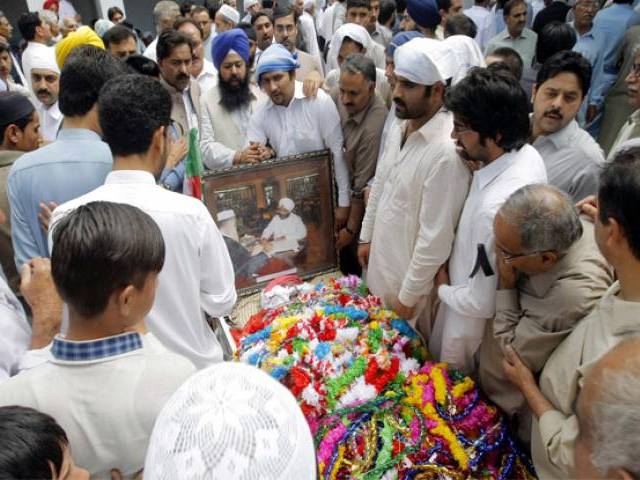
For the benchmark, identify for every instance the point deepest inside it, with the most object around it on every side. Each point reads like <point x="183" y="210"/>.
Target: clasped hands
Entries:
<point x="256" y="152"/>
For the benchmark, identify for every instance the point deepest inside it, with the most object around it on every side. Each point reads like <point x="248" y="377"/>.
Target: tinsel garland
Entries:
<point x="377" y="408"/>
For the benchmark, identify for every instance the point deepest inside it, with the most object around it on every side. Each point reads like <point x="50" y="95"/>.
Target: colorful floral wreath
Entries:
<point x="376" y="408"/>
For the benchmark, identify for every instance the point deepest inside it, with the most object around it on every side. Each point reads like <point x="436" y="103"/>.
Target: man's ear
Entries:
<point x="534" y="90"/>
<point x="549" y="258"/>
<point x="124" y="300"/>
<point x="158" y="140"/>
<point x="13" y="134"/>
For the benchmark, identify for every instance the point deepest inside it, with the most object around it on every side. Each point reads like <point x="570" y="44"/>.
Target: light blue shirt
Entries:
<point x="76" y="163"/>
<point x="612" y="23"/>
<point x="592" y="46"/>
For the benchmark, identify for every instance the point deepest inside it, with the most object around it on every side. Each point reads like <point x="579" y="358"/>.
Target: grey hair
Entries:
<point x="545" y="217"/>
<point x="615" y="420"/>
<point x="163" y="9"/>
<point x="48" y="16"/>
<point x="358" y="63"/>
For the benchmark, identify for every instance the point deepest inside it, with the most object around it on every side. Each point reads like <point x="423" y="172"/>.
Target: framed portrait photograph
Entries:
<point x="276" y="217"/>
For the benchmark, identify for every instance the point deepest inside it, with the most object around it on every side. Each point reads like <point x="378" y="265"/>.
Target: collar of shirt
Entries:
<point x="635" y="117"/>
<point x="622" y="315"/>
<point x="523" y="36"/>
<point x="563" y="138"/>
<point x="129" y="176"/>
<point x="208" y="69"/>
<point x="53" y="111"/>
<point x="489" y="173"/>
<point x="359" y="117"/>
<point x="90" y="351"/>
<point x="540" y="284"/>
<point x="74" y="134"/>
<point x="588" y="34"/>
<point x="298" y="94"/>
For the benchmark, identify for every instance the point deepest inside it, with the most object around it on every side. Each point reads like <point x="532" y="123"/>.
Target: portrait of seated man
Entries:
<point x="286" y="229"/>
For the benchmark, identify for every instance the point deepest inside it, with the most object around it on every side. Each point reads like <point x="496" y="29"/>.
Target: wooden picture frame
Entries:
<point x="263" y="243"/>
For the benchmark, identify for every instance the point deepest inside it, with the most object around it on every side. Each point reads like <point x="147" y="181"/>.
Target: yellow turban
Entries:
<point x="82" y="36"/>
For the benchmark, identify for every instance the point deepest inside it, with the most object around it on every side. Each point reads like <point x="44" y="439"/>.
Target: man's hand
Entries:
<point x="250" y="154"/>
<point x="343" y="238"/>
<point x="312" y="84"/>
<point x="36" y="285"/>
<point x="341" y="216"/>
<point x="442" y="277"/>
<point x="589" y="206"/>
<point x="592" y="111"/>
<point x="507" y="274"/>
<point x="516" y="371"/>
<point x="401" y="309"/>
<point x="46" y="211"/>
<point x="262" y="152"/>
<point x="366" y="192"/>
<point x="363" y="254"/>
<point x="177" y="151"/>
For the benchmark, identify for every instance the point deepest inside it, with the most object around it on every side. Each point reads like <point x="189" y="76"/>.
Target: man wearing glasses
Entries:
<point x="550" y="275"/>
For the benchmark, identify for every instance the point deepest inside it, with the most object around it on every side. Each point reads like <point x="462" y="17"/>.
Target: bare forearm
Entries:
<point x="538" y="403"/>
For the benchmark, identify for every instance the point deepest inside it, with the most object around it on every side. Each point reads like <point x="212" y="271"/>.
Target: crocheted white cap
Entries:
<point x="231" y="421"/>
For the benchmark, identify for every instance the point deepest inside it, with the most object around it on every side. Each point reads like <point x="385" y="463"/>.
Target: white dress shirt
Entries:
<point x="208" y="77"/>
<point x="108" y="406"/>
<point x="197" y="274"/>
<point x="573" y="160"/>
<point x="292" y="228"/>
<point x="150" y="51"/>
<point x="414" y="207"/>
<point x="308" y="28"/>
<point x="50" y="120"/>
<point x="470" y="300"/>
<point x="481" y="16"/>
<point x="16" y="332"/>
<point x="305" y="125"/>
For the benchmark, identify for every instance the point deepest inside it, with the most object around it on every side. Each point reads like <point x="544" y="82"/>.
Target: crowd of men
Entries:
<point x="486" y="159"/>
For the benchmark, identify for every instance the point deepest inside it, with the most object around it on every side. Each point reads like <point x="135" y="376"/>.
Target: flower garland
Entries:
<point x="376" y="408"/>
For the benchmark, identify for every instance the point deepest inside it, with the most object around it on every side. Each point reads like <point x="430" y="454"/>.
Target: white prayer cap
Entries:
<point x="355" y="32"/>
<point x="250" y="3"/>
<point x="467" y="53"/>
<point x="309" y="3"/>
<point x="226" y="215"/>
<point x="231" y="421"/>
<point x="230" y="13"/>
<point x="44" y="58"/>
<point x="425" y="61"/>
<point x="286" y="203"/>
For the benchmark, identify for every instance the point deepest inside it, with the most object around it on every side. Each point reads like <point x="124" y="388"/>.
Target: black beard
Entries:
<point x="232" y="97"/>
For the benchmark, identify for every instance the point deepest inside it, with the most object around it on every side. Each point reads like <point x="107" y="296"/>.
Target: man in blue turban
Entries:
<point x="227" y="107"/>
<point x="426" y="15"/>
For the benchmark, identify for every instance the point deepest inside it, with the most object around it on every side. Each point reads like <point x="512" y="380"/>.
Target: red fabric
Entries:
<point x="51" y="3"/>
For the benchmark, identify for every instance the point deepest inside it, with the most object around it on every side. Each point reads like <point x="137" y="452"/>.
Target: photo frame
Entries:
<point x="276" y="217"/>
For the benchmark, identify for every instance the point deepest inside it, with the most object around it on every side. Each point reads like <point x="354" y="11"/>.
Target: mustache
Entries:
<point x="553" y="111"/>
<point x="399" y="102"/>
<point x="43" y="91"/>
<point x="182" y="76"/>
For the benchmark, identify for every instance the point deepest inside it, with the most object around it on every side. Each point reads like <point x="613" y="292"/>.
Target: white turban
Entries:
<point x="287" y="204"/>
<point x="229" y="13"/>
<point x="44" y="58"/>
<point x="355" y="32"/>
<point x="425" y="61"/>
<point x="468" y="55"/>
<point x="231" y="421"/>
<point x="250" y="3"/>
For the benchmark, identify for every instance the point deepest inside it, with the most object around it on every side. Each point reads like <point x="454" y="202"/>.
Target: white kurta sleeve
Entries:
<point x="333" y="140"/>
<point x="366" y="230"/>
<point x="256" y="131"/>
<point x="443" y="195"/>
<point x="214" y="154"/>
<point x="300" y="230"/>
<point x="217" y="279"/>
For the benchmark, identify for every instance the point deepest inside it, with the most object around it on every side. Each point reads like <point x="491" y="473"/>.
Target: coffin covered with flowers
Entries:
<point x="377" y="407"/>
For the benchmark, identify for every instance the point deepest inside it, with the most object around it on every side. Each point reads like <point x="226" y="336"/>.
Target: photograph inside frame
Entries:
<point x="276" y="217"/>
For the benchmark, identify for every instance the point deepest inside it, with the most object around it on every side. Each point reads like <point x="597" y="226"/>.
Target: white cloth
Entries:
<point x="38" y="55"/>
<point x="229" y="422"/>
<point x="106" y="407"/>
<point x="229" y="13"/>
<point x="308" y="28"/>
<point x="190" y="109"/>
<point x="16" y="332"/>
<point x="66" y="9"/>
<point x="469" y="301"/>
<point x="482" y="17"/>
<point x="150" y="51"/>
<point x="208" y="77"/>
<point x="207" y="44"/>
<point x="326" y="22"/>
<point x="425" y="61"/>
<point x="197" y="274"/>
<point x="292" y="228"/>
<point x="50" y="120"/>
<point x="305" y="125"/>
<point x="467" y="55"/>
<point x="414" y="207"/>
<point x="355" y="32"/>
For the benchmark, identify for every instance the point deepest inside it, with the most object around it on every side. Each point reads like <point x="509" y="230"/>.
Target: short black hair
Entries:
<point x="284" y="11"/>
<point x="131" y="109"/>
<point x="444" y="5"/>
<point x="249" y="30"/>
<point x="387" y="9"/>
<point x="170" y="39"/>
<point x="200" y="9"/>
<point x="184" y="20"/>
<point x="143" y="65"/>
<point x="619" y="194"/>
<point x="117" y="34"/>
<point x="554" y="37"/>
<point x="122" y="244"/>
<point x="21" y="122"/>
<point x="358" y="4"/>
<point x="492" y="104"/>
<point x="212" y="7"/>
<point x="84" y="73"/>
<point x="31" y="442"/>
<point x="261" y="13"/>
<point x="113" y="11"/>
<point x="509" y="4"/>
<point x="27" y="24"/>
<point x="357" y="63"/>
<point x="460" y="24"/>
<point x="512" y="59"/>
<point x="566" y="62"/>
<point x="186" y="7"/>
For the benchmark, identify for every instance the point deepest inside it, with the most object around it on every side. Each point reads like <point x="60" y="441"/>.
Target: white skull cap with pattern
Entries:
<point x="230" y="13"/>
<point x="231" y="421"/>
<point x="286" y="203"/>
<point x="468" y="55"/>
<point x="425" y="61"/>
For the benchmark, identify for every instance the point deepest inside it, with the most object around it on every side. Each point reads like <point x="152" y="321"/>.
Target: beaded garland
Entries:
<point x="376" y="407"/>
